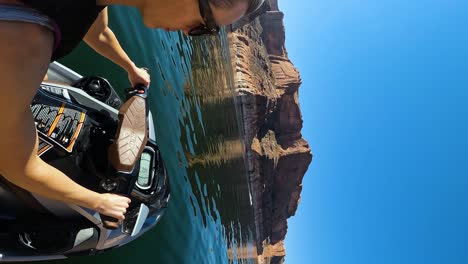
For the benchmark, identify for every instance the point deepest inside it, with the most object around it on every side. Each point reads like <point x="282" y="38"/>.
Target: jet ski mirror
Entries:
<point x="100" y="89"/>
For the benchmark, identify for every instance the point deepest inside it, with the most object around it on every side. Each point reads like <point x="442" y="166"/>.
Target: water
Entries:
<point x="210" y="217"/>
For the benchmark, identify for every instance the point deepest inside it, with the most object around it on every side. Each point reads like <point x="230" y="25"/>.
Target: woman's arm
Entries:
<point x="21" y="165"/>
<point x="101" y="38"/>
<point x="25" y="51"/>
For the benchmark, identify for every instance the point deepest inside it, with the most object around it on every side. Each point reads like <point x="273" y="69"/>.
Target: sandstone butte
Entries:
<point x="267" y="87"/>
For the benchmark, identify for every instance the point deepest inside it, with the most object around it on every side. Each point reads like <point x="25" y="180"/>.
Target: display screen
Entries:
<point x="145" y="170"/>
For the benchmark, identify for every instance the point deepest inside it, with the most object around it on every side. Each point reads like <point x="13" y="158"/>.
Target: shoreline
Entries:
<point x="267" y="88"/>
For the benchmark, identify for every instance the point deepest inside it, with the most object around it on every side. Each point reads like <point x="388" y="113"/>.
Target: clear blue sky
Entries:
<point x="385" y="108"/>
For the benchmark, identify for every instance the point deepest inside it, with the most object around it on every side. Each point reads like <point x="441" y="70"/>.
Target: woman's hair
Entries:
<point x="252" y="4"/>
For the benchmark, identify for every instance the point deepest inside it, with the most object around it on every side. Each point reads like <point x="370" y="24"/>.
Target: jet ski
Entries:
<point x="102" y="143"/>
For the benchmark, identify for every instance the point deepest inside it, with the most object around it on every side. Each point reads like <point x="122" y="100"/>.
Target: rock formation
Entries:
<point x="267" y="84"/>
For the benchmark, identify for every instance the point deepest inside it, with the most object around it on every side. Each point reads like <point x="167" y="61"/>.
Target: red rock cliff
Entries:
<point x="268" y="87"/>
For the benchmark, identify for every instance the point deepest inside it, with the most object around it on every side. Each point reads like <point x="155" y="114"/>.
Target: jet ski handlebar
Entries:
<point x="131" y="137"/>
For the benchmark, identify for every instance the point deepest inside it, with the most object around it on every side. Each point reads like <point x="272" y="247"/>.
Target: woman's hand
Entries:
<point x="139" y="76"/>
<point x="113" y="205"/>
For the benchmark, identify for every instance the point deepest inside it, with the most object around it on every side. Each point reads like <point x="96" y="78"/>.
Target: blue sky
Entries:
<point x="384" y="103"/>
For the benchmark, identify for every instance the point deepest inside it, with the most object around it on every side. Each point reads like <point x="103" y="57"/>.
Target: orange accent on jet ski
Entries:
<point x="44" y="149"/>
<point x="57" y="119"/>
<point x="77" y="132"/>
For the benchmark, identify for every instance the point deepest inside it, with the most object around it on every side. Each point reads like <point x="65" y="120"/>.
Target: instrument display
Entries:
<point x="144" y="175"/>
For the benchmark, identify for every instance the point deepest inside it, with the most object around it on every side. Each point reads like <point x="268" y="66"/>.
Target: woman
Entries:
<point x="34" y="32"/>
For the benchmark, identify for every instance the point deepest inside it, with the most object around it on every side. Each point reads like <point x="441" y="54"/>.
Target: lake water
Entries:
<point x="210" y="217"/>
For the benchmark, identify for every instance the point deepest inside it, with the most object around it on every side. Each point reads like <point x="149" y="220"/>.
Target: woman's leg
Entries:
<point x="25" y="51"/>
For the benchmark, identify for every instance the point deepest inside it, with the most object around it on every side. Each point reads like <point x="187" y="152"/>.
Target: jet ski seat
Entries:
<point x="131" y="136"/>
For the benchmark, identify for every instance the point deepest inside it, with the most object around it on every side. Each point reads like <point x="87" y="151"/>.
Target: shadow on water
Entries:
<point x="210" y="217"/>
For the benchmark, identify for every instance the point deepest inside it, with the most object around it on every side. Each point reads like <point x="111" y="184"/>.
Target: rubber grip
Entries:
<point x="110" y="222"/>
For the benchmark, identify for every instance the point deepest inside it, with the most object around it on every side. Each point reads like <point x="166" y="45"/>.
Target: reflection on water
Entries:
<point x="210" y="217"/>
<point x="218" y="157"/>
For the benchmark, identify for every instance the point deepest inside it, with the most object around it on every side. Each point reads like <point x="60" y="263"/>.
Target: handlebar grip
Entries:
<point x="109" y="222"/>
